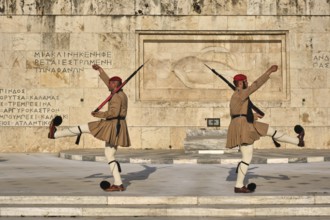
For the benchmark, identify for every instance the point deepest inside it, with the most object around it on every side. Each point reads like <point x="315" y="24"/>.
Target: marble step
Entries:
<point x="164" y="210"/>
<point x="312" y="199"/>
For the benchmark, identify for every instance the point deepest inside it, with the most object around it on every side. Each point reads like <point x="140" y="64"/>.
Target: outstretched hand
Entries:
<point x="96" y="67"/>
<point x="273" y="68"/>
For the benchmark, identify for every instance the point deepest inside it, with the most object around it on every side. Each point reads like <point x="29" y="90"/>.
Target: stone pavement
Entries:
<point x="46" y="185"/>
<point x="267" y="156"/>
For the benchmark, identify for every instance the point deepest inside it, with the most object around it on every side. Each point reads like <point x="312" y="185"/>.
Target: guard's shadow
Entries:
<point x="232" y="175"/>
<point x="128" y="177"/>
<point x="2" y="160"/>
<point x="140" y="175"/>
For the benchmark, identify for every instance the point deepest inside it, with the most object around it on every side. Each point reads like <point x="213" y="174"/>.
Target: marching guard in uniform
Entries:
<point x="112" y="127"/>
<point x="244" y="129"/>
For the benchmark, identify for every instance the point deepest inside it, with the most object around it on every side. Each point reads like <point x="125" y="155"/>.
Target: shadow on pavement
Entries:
<point x="251" y="175"/>
<point x="127" y="178"/>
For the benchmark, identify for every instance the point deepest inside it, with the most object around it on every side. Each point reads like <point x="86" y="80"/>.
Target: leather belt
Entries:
<point x="240" y="115"/>
<point x="117" y="118"/>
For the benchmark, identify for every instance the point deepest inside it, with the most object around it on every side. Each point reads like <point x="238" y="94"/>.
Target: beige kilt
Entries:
<point x="106" y="130"/>
<point x="241" y="132"/>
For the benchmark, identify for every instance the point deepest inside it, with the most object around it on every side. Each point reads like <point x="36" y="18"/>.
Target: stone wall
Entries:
<point x="47" y="48"/>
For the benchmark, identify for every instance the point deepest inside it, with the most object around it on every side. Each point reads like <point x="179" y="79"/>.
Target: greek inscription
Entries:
<point x="69" y="61"/>
<point x="321" y="60"/>
<point x="17" y="108"/>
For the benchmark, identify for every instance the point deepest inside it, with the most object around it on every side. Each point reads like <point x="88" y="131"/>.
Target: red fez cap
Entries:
<point x="115" y="78"/>
<point x="240" y="77"/>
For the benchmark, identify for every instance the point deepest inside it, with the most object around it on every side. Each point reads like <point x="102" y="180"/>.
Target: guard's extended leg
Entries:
<point x="282" y="137"/>
<point x="71" y="132"/>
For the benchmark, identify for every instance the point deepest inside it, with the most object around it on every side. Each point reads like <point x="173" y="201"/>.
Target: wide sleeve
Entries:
<point x="254" y="86"/>
<point x="104" y="77"/>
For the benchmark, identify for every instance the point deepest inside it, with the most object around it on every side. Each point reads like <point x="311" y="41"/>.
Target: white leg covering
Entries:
<point x="110" y="155"/>
<point x="73" y="131"/>
<point x="281" y="137"/>
<point x="247" y="153"/>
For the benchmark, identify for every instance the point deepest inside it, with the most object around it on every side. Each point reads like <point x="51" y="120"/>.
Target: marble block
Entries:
<point x="205" y="139"/>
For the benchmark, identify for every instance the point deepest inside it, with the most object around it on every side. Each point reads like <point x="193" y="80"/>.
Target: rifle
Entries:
<point x="119" y="88"/>
<point x="255" y="108"/>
